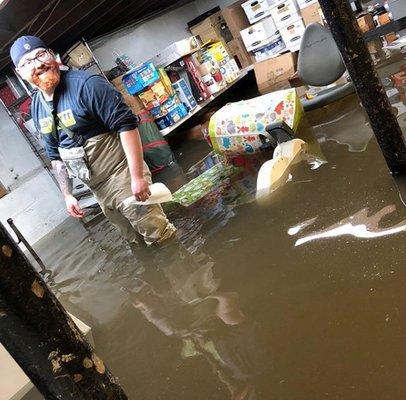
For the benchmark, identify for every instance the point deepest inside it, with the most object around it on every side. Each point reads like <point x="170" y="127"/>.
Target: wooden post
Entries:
<point x="348" y="36"/>
<point x="38" y="333"/>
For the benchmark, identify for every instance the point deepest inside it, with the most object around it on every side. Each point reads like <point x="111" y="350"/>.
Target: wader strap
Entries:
<point x="57" y="123"/>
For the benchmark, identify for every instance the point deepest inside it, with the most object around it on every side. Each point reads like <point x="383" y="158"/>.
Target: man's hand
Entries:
<point x="140" y="189"/>
<point x="73" y="207"/>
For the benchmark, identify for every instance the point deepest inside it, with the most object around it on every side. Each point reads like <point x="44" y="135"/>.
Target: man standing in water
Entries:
<point x="91" y="134"/>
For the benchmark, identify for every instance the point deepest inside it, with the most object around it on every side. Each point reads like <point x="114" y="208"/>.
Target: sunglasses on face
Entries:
<point x="41" y="56"/>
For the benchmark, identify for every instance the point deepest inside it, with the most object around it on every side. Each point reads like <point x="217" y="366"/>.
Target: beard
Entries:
<point x="47" y="76"/>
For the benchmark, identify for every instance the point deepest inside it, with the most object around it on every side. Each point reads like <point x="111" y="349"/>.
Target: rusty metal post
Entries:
<point x="348" y="36"/>
<point x="38" y="333"/>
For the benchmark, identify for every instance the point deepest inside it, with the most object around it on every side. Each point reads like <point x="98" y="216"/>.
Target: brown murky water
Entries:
<point x="303" y="297"/>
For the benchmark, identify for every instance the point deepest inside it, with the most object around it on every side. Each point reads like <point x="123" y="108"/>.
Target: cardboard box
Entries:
<point x="235" y="18"/>
<point x="384" y="19"/>
<point x="176" y="51"/>
<point x="212" y="28"/>
<point x="274" y="74"/>
<point x="374" y="46"/>
<point x="132" y="101"/>
<point x="285" y="13"/>
<point x="256" y="10"/>
<point x="3" y="191"/>
<point x="238" y="51"/>
<point x="391" y="37"/>
<point x="292" y="34"/>
<point x="366" y="22"/>
<point x="259" y="34"/>
<point x="312" y="14"/>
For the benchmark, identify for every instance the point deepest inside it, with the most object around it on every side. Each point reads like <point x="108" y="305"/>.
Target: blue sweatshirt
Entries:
<point x="86" y="104"/>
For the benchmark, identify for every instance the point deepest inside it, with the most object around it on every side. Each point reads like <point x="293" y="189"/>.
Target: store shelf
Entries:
<point x="170" y="129"/>
<point x="394" y="26"/>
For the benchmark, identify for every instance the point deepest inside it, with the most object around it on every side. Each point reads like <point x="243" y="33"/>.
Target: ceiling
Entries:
<point x="60" y="23"/>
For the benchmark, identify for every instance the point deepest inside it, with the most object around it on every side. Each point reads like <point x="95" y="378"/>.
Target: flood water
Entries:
<point x="300" y="297"/>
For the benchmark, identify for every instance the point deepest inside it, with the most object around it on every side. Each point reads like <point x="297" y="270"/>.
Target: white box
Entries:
<point x="175" y="51"/>
<point x="256" y="9"/>
<point x="259" y="34"/>
<point x="304" y="3"/>
<point x="271" y="50"/>
<point x="284" y="13"/>
<point x="292" y="34"/>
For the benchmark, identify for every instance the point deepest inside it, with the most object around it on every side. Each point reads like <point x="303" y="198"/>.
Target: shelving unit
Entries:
<point x="205" y="103"/>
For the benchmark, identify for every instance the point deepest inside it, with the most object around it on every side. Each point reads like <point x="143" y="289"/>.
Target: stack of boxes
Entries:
<point x="224" y="26"/>
<point x="277" y="25"/>
<point x="289" y="22"/>
<point x="263" y="38"/>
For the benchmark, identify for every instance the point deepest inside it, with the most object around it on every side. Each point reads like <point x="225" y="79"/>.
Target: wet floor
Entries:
<point x="300" y="297"/>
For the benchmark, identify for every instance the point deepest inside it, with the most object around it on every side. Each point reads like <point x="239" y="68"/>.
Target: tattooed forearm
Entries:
<point x="61" y="174"/>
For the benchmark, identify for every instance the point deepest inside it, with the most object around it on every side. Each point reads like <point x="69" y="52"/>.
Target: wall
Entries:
<point x="34" y="201"/>
<point x="206" y="5"/>
<point x="146" y="40"/>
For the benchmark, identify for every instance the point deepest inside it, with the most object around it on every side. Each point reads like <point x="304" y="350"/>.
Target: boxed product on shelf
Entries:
<point x="173" y="116"/>
<point x="256" y="10"/>
<point x="229" y="70"/>
<point x="212" y="84"/>
<point x="239" y="52"/>
<point x="163" y="109"/>
<point x="312" y="13"/>
<point x="274" y="74"/>
<point x="163" y="76"/>
<point x="176" y="51"/>
<point x="206" y="67"/>
<point x="259" y="34"/>
<point x="306" y="3"/>
<point x="235" y="18"/>
<point x="285" y="12"/>
<point x="139" y="78"/>
<point x="177" y="113"/>
<point x="185" y="94"/>
<point x="196" y="77"/>
<point x="154" y="96"/>
<point x="215" y="52"/>
<point x="270" y="50"/>
<point x="292" y="34"/>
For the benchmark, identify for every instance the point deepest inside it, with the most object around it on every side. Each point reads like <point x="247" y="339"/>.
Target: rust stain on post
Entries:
<point x="7" y="250"/>
<point x="37" y="289"/>
<point x="87" y="363"/>
<point x="98" y="363"/>
<point x="67" y="357"/>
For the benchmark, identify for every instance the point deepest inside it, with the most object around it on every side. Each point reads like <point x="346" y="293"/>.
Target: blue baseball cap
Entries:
<point x="24" y="45"/>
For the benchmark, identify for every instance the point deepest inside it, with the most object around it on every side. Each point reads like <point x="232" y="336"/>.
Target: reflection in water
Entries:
<point x="209" y="323"/>
<point x="358" y="225"/>
<point x="296" y="229"/>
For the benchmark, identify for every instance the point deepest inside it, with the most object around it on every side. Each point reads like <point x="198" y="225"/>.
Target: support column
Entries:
<point x="41" y="337"/>
<point x="346" y="33"/>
